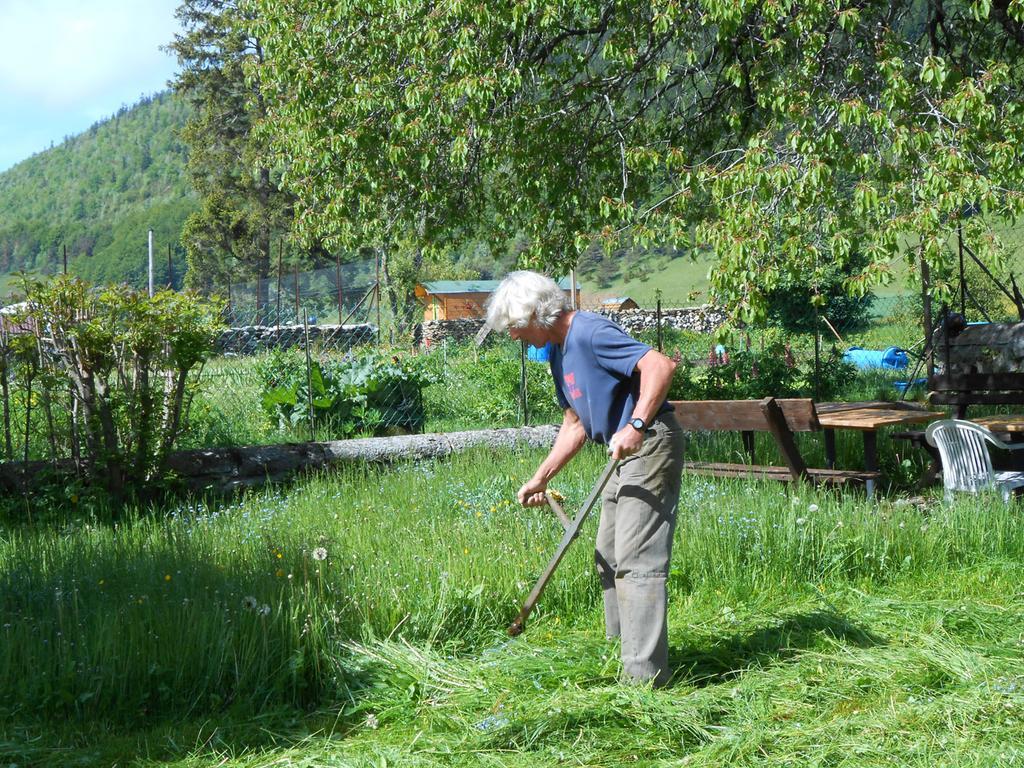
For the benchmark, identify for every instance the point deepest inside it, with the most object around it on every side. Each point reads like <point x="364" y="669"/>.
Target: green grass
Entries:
<point x="807" y="628"/>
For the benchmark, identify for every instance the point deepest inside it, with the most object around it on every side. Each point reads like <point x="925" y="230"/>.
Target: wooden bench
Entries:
<point x="981" y="365"/>
<point x="780" y="417"/>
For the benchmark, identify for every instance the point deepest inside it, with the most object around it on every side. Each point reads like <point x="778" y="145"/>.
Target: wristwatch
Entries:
<point x="638" y="424"/>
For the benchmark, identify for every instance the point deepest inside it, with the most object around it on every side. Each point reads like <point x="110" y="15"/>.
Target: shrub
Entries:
<point x="371" y="392"/>
<point x="130" y="362"/>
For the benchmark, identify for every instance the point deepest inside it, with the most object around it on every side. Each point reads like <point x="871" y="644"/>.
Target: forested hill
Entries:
<point x="98" y="193"/>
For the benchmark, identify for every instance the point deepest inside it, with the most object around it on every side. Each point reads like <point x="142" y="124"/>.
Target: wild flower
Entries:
<point x="812" y="508"/>
<point x="372" y="722"/>
<point x="264" y="610"/>
<point x="801" y="520"/>
<point x="249" y="603"/>
<point x="320" y="553"/>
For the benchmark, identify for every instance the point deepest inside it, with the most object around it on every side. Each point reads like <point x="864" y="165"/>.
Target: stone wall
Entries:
<point x="703" y="319"/>
<point x="250" y="339"/>
<point x="433" y="332"/>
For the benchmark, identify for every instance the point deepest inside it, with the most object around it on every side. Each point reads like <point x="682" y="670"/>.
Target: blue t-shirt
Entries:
<point x="595" y="374"/>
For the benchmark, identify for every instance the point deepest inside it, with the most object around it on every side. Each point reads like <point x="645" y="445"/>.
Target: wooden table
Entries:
<point x="1004" y="423"/>
<point x="868" y="418"/>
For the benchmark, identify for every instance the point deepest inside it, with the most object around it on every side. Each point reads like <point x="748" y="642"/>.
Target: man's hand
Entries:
<point x="532" y="493"/>
<point x="625" y="442"/>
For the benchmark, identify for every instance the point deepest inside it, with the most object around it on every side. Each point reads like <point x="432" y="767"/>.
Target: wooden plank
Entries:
<point x="869" y="419"/>
<point x="781" y="474"/>
<point x="784" y="439"/>
<point x="976" y="398"/>
<point x="974" y="382"/>
<point x="1009" y="423"/>
<point x="742" y="415"/>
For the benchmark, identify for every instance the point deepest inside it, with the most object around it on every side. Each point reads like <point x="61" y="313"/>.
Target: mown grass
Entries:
<point x="807" y="628"/>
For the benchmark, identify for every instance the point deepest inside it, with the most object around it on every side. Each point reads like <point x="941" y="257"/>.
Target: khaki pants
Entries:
<point x="634" y="546"/>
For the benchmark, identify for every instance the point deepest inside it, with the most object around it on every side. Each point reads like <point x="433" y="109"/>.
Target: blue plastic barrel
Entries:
<point x="539" y="354"/>
<point x="903" y="386"/>
<point x="865" y="359"/>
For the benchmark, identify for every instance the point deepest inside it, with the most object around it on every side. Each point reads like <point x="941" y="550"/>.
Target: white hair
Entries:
<point x="524" y="296"/>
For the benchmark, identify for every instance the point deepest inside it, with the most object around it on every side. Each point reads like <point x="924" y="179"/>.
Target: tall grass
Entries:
<point x="199" y="609"/>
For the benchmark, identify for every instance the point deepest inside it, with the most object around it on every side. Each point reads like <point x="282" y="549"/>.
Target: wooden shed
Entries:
<point x="617" y="303"/>
<point x="458" y="299"/>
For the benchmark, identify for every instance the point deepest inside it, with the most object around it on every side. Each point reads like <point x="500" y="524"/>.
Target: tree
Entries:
<point x="789" y="137"/>
<point x="241" y="206"/>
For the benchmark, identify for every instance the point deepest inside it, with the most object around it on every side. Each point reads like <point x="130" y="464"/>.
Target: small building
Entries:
<point x="458" y="299"/>
<point x="618" y="303"/>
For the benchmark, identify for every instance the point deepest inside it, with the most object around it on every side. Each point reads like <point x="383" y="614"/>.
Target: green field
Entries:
<point x="357" y="620"/>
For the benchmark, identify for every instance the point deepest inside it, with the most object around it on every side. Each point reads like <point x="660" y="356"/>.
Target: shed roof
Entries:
<point x="441" y="287"/>
<point x="617" y="300"/>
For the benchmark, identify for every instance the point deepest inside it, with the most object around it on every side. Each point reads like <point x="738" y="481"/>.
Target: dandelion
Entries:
<point x="801" y="520"/>
<point x="372" y="722"/>
<point x="813" y="508"/>
<point x="279" y="573"/>
<point x="264" y="610"/>
<point x="465" y="551"/>
<point x="320" y="553"/>
<point x="249" y="603"/>
<point x="167" y="577"/>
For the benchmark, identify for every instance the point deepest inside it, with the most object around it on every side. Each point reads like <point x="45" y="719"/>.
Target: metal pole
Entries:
<point x="522" y="382"/>
<point x="151" y="263"/>
<point x="658" y="315"/>
<point x="963" y="280"/>
<point x="817" y="354"/>
<point x="573" y="298"/>
<point x="337" y="279"/>
<point x="280" y="248"/>
<point x="309" y="376"/>
<point x="378" y="298"/>
<point x="296" y="291"/>
<point x="65" y="258"/>
<point x="926" y="303"/>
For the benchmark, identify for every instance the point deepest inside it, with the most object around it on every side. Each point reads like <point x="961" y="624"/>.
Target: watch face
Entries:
<point x="638" y="424"/>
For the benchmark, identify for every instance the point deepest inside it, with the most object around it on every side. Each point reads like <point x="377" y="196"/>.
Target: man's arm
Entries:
<point x="655" y="379"/>
<point x="571" y="438"/>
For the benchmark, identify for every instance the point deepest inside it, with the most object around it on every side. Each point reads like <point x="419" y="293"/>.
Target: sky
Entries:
<point x="64" y="64"/>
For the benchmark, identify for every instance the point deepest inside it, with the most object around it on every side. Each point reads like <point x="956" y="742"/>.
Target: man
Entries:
<point x="613" y="390"/>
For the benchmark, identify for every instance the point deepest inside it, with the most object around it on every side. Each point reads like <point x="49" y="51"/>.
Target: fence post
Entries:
<point x="280" y="249"/>
<point x="658" y="317"/>
<point x="522" y="383"/>
<point x="817" y="352"/>
<point x="337" y="266"/>
<point x="309" y="378"/>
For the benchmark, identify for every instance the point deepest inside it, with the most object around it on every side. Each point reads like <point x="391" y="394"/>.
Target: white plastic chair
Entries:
<point x="966" y="464"/>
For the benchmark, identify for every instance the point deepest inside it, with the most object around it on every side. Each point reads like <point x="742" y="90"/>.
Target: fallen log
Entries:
<point x="228" y="469"/>
<point x="222" y="470"/>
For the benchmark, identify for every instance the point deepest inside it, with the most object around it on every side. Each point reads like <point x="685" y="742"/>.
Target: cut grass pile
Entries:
<point x="358" y="620"/>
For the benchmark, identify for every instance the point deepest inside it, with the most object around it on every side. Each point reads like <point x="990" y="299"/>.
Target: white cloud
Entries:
<point x="77" y="53"/>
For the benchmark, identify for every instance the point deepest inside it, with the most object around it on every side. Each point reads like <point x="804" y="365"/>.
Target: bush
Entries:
<point x="130" y="362"/>
<point x="371" y="392"/>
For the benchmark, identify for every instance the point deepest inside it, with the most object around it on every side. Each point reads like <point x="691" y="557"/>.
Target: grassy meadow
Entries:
<point x="357" y="619"/>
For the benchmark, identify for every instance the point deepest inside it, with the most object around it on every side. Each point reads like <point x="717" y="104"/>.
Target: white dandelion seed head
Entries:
<point x="801" y="520"/>
<point x="372" y="721"/>
<point x="249" y="603"/>
<point x="264" y="610"/>
<point x="813" y="507"/>
<point x="320" y="553"/>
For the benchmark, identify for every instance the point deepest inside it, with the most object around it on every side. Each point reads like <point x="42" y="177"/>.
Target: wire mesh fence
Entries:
<point x="314" y="355"/>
